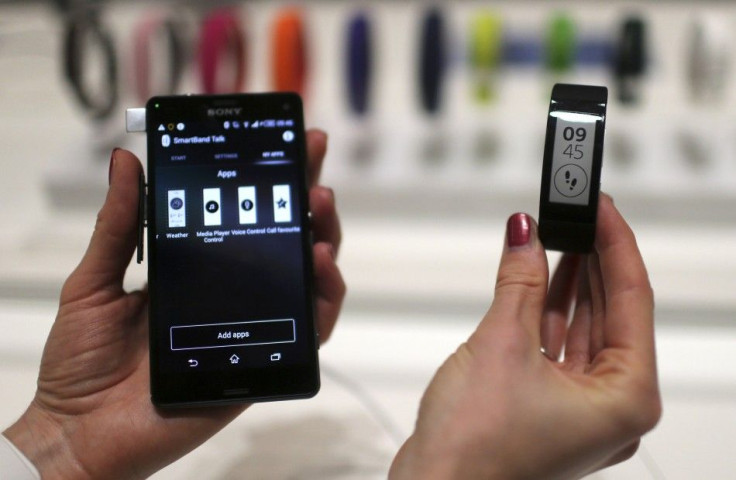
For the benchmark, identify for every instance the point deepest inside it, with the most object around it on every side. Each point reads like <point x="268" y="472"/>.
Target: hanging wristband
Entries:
<point x="289" y="67"/>
<point x="153" y="28"/>
<point x="709" y="59"/>
<point x="432" y="61"/>
<point x="83" y="33"/>
<point x="561" y="44"/>
<point x="571" y="173"/>
<point x="486" y="41"/>
<point x="631" y="59"/>
<point x="222" y="53"/>
<point x="359" y="63"/>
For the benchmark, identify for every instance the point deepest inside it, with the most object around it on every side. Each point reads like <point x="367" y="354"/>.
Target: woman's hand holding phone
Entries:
<point x="92" y="416"/>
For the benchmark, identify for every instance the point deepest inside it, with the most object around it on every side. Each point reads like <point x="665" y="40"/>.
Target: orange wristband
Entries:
<point x="289" y="52"/>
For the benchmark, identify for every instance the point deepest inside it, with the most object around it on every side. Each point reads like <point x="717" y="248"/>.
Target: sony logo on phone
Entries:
<point x="222" y="112"/>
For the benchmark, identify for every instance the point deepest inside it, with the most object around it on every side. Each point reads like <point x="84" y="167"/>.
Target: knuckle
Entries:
<point x="100" y="219"/>
<point x="521" y="282"/>
<point x="643" y="412"/>
<point x="628" y="453"/>
<point x="342" y="289"/>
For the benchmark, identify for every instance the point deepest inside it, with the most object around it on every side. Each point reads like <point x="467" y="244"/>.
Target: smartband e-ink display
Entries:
<point x="571" y="173"/>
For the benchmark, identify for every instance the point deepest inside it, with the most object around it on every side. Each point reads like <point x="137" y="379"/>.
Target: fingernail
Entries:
<point x="112" y="165"/>
<point x="332" y="252"/>
<point x="519" y="230"/>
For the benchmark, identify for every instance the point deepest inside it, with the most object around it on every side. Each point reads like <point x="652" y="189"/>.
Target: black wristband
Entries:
<point x="573" y="156"/>
<point x="83" y="31"/>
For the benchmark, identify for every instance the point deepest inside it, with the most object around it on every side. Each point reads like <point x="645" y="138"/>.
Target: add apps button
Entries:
<point x="221" y="335"/>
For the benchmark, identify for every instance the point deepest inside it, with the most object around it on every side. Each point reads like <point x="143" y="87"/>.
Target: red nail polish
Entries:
<point x="519" y="230"/>
<point x="112" y="163"/>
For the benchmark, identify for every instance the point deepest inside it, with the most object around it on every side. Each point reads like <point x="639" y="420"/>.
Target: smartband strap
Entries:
<point x="359" y="63"/>
<point x="631" y="58"/>
<point x="222" y="40"/>
<point x="570" y="237"/>
<point x="709" y="58"/>
<point x="432" y="61"/>
<point x="485" y="53"/>
<point x="151" y="25"/>
<point x="289" y="68"/>
<point x="84" y="32"/>
<point x="565" y="92"/>
<point x="561" y="38"/>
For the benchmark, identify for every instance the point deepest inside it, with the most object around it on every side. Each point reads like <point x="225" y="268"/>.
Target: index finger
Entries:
<point x="629" y="300"/>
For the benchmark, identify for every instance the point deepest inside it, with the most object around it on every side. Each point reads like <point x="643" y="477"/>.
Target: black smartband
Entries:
<point x="84" y="32"/>
<point x="571" y="173"/>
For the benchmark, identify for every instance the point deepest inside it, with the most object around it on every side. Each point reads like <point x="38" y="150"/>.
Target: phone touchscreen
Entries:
<point x="230" y="253"/>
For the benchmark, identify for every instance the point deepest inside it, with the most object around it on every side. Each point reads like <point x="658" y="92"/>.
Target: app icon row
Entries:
<point x="247" y="206"/>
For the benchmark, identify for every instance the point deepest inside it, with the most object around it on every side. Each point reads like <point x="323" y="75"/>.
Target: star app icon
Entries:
<point x="282" y="203"/>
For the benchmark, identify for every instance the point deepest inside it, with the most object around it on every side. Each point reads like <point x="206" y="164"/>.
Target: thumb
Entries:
<point x="521" y="283"/>
<point x="114" y="238"/>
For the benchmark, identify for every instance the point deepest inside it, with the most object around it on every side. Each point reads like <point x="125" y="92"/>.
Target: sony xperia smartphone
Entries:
<point x="230" y="251"/>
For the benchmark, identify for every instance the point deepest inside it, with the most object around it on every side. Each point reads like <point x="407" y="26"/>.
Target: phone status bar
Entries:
<point x="235" y="125"/>
<point x="267" y="123"/>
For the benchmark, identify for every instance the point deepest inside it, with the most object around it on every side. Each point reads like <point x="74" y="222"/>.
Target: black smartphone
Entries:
<point x="230" y="252"/>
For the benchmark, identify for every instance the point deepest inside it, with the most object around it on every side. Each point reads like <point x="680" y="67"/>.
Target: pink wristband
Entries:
<point x="144" y="82"/>
<point x="222" y="53"/>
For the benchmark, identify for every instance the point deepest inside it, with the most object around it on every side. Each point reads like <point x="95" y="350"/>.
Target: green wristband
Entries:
<point x="561" y="38"/>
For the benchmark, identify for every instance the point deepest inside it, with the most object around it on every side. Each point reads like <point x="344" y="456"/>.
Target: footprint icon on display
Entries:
<point x="571" y="180"/>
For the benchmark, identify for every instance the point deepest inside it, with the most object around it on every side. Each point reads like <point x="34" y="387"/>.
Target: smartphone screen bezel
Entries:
<point x="274" y="382"/>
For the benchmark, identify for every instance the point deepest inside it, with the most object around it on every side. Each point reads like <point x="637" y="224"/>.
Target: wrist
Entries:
<point x="41" y="439"/>
<point x="441" y="460"/>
